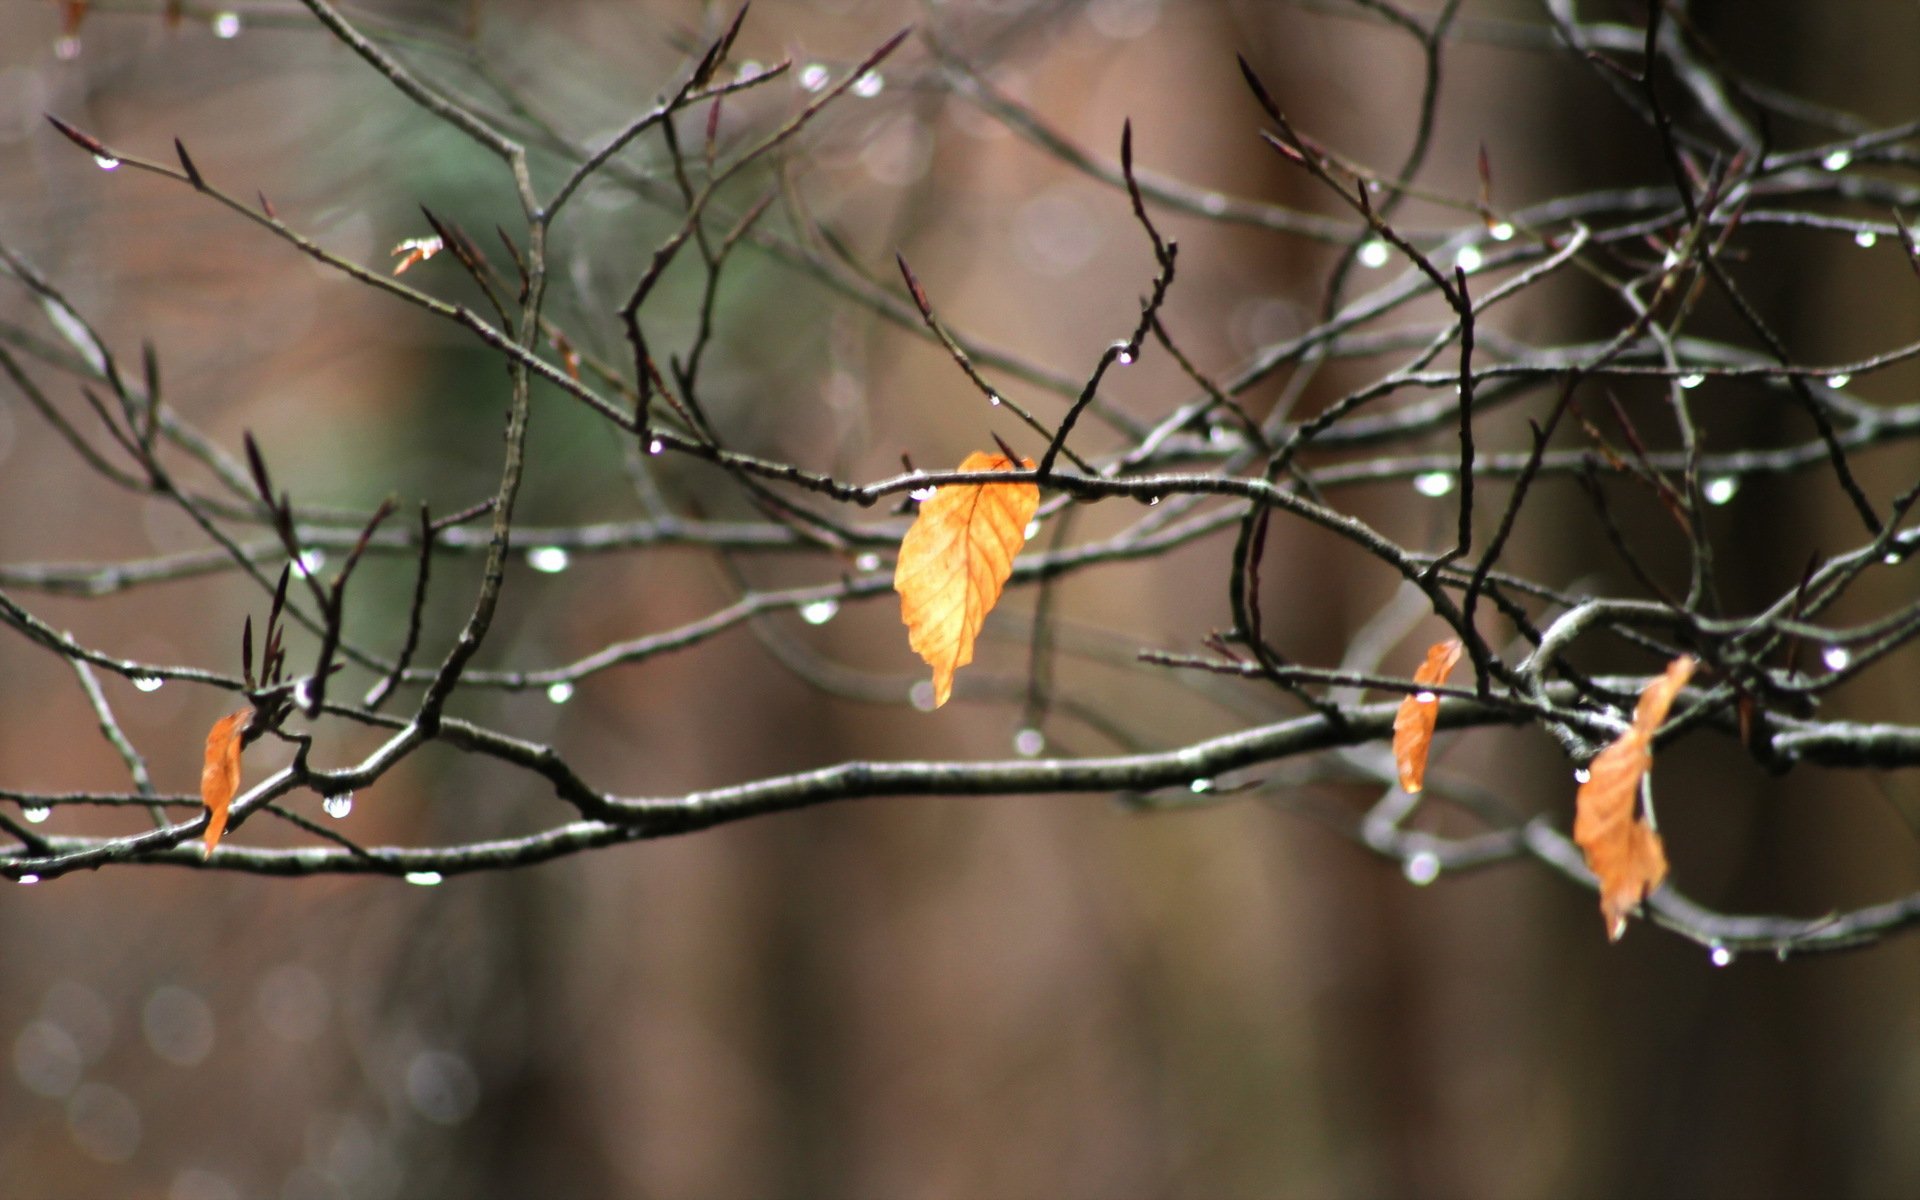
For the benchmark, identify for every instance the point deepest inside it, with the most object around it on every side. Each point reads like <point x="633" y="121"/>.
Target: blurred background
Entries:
<point x="1009" y="997"/>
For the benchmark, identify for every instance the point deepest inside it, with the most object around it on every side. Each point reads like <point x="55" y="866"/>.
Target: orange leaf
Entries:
<point x="1413" y="724"/>
<point x="1622" y="851"/>
<point x="954" y="561"/>
<point x="220" y="776"/>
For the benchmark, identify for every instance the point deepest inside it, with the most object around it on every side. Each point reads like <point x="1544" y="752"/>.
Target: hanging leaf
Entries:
<point x="954" y="562"/>
<point x="1413" y="724"/>
<point x="220" y="776"/>
<point x="1622" y="850"/>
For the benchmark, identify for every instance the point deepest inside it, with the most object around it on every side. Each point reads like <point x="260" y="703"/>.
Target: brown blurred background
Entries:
<point x="1012" y="997"/>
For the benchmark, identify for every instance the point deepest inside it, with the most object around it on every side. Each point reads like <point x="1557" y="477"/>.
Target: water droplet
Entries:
<point x="226" y="26"/>
<point x="1213" y="204"/>
<point x="1028" y="743"/>
<point x="656" y="446"/>
<point x="550" y="560"/>
<point x="1781" y="954"/>
<point x="66" y="49"/>
<point x="1501" y="231"/>
<point x="1719" y="955"/>
<point x="1200" y="787"/>
<point x="1836" y="657"/>
<point x="922" y="494"/>
<point x="819" y="612"/>
<point x="1839" y="380"/>
<point x="867" y="562"/>
<point x="1720" y="490"/>
<point x="36" y="813"/>
<point x="310" y="563"/>
<point x="1865" y="239"/>
<point x="148" y="683"/>
<point x="338" y="805"/>
<point x="1153" y="501"/>
<point x="302" y="693"/>
<point x="814" y="76"/>
<point x="1581" y="775"/>
<point x="1692" y="380"/>
<point x="424" y="878"/>
<point x="748" y="68"/>
<point x="1468" y="259"/>
<point x="560" y="692"/>
<point x="1425" y="698"/>
<point x="1374" y="254"/>
<point x="994" y="400"/>
<point x="1033" y="530"/>
<point x="921" y="696"/>
<point x="1121" y="354"/>
<point x="868" y="86"/>
<point x="1422" y="868"/>
<point x="1670" y="261"/>
<point x="1839" y="160"/>
<point x="1434" y="484"/>
<point x="28" y="880"/>
<point x="106" y="162"/>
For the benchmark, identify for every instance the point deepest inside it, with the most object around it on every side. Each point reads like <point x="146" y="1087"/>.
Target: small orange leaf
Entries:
<point x="1413" y="724"/>
<point x="954" y="561"/>
<point x="1622" y="851"/>
<point x="220" y="776"/>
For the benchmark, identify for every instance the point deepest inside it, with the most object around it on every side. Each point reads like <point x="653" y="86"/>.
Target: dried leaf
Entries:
<point x="954" y="561"/>
<point x="220" y="776"/>
<point x="1622" y="851"/>
<point x="1413" y="724"/>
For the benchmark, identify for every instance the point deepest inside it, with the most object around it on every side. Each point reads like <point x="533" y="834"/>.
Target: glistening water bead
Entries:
<point x="226" y="26"/>
<point x="549" y="560"/>
<point x="338" y="805"/>
<point x="560" y="692"/>
<point x="819" y="612"/>
<point x="1434" y="484"/>
<point x="1720" y="489"/>
<point x="1374" y="254"/>
<point x="148" y="683"/>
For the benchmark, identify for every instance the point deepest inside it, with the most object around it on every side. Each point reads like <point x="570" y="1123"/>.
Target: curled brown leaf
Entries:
<point x="1413" y="724"/>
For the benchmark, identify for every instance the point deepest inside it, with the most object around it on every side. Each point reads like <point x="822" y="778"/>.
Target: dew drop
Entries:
<point x="1501" y="231"/>
<point x="1865" y="239"/>
<point x="1032" y="531"/>
<point x="1213" y="204"/>
<point x="1719" y="490"/>
<point x="1839" y="381"/>
<point x="1892" y="559"/>
<point x="1153" y="501"/>
<point x="28" y="880"/>
<point x="1374" y="254"/>
<point x="302" y="693"/>
<point x="338" y="805"/>
<point x="867" y="562"/>
<point x="1781" y="954"/>
<point x="106" y="162"/>
<point x="1691" y="381"/>
<point x="656" y="446"/>
<point x="1028" y="743"/>
<point x="1671" y="260"/>
<point x="424" y="878"/>
<point x="819" y="612"/>
<point x="310" y="563"/>
<point x="1836" y="657"/>
<point x="1468" y="259"/>
<point x="994" y="400"/>
<point x="921" y="696"/>
<point x="922" y="494"/>
<point x="747" y="69"/>
<point x="226" y="26"/>
<point x="36" y="813"/>
<point x="1839" y="160"/>
<point x="868" y="86"/>
<point x="560" y="692"/>
<point x="148" y="683"/>
<point x="814" y="76"/>
<point x="66" y="49"/>
<point x="1425" y="698"/>
<point x="1719" y="956"/>
<point x="1200" y="787"/>
<point x="550" y="560"/>
<point x="1422" y="868"/>
<point x="1581" y="775"/>
<point x="1433" y="484"/>
<point x="1122" y="354"/>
